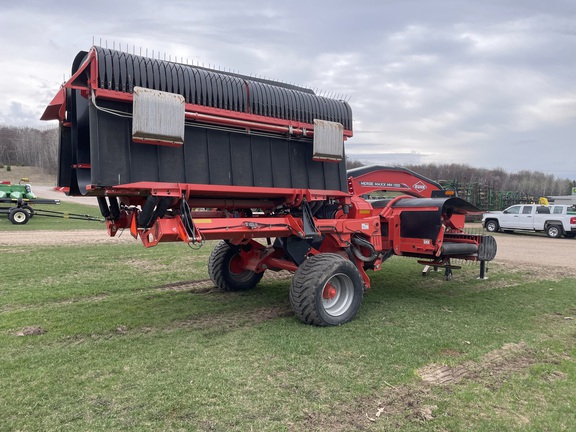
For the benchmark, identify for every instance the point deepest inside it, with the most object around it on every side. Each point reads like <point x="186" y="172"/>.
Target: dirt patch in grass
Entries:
<point x="206" y="285"/>
<point x="196" y="286"/>
<point x="62" y="238"/>
<point x="145" y="265"/>
<point x="224" y="323"/>
<point x="509" y="358"/>
<point x="30" y="331"/>
<point x="24" y="307"/>
<point x="536" y="271"/>
<point x="394" y="405"/>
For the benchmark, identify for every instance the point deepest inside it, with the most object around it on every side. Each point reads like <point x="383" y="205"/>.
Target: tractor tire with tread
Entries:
<point x="326" y="290"/>
<point x="224" y="269"/>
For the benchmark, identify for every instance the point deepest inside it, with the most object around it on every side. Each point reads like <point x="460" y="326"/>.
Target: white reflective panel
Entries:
<point x="328" y="141"/>
<point x="158" y="117"/>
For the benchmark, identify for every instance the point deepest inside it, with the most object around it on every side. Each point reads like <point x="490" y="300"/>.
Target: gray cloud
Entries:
<point x="485" y="83"/>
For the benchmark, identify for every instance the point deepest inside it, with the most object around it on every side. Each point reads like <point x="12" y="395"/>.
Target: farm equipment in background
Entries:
<point x="17" y="202"/>
<point x="175" y="152"/>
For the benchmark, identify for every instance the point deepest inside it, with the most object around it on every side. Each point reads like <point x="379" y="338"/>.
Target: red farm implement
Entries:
<point x="176" y="152"/>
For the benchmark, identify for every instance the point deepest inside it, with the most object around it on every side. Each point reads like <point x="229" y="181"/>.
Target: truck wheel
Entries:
<point x="492" y="226"/>
<point x="554" y="231"/>
<point x="227" y="271"/>
<point x="326" y="290"/>
<point x="18" y="216"/>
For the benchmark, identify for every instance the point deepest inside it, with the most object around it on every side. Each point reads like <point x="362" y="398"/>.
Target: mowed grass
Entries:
<point x="129" y="340"/>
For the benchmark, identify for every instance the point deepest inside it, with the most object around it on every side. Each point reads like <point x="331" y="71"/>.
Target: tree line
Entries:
<point x="29" y="147"/>
<point x="459" y="175"/>
<point x="525" y="182"/>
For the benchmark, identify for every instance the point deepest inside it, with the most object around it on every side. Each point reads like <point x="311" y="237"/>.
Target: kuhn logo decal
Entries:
<point x="419" y="186"/>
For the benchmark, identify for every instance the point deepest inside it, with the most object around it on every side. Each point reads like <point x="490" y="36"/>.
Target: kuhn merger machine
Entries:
<point x="175" y="152"/>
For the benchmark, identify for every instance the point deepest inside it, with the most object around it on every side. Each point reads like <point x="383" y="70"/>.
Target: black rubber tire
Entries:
<point x="326" y="271"/>
<point x="29" y="209"/>
<point x="223" y="275"/>
<point x="492" y="226"/>
<point x="18" y="216"/>
<point x="554" y="231"/>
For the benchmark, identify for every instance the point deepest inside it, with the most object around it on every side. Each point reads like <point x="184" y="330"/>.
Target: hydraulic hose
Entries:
<point x="360" y="242"/>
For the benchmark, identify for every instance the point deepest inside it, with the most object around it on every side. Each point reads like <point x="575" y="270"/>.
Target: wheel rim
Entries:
<point x="19" y="217"/>
<point x="337" y="294"/>
<point x="491" y="226"/>
<point x="237" y="270"/>
<point x="553" y="231"/>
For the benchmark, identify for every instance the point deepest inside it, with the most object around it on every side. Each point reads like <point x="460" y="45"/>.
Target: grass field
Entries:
<point x="102" y="337"/>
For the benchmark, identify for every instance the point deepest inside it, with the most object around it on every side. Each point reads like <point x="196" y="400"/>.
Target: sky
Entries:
<point x="487" y="83"/>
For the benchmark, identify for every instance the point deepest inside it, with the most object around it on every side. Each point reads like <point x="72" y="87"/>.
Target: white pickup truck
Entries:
<point x="555" y="220"/>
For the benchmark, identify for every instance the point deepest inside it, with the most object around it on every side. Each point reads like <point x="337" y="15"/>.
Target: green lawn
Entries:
<point x="130" y="341"/>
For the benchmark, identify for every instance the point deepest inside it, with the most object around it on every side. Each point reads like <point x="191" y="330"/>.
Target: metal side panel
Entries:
<point x="298" y="166"/>
<point x="80" y="128"/>
<point x="109" y="146"/>
<point x="328" y="141"/>
<point x="143" y="164"/>
<point x="420" y="224"/>
<point x="261" y="161"/>
<point x="241" y="157"/>
<point x="335" y="174"/>
<point x="158" y="116"/>
<point x="171" y="164"/>
<point x="219" y="162"/>
<point x="196" y="155"/>
<point x="207" y="157"/>
<point x="316" y="178"/>
<point x="65" y="157"/>
<point x="280" y="156"/>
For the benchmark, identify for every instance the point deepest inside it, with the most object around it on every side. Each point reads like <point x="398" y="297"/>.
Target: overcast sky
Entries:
<point x="489" y="83"/>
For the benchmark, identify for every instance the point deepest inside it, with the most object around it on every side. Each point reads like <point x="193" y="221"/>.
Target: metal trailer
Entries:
<point x="20" y="211"/>
<point x="16" y="201"/>
<point x="176" y="152"/>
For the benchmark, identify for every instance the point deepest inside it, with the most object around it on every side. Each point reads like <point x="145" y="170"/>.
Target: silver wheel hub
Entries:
<point x="337" y="294"/>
